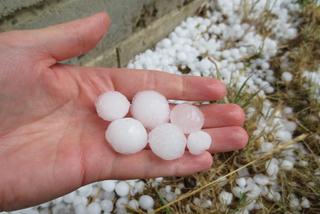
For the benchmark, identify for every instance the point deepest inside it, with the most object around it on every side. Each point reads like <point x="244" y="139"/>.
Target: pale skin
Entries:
<point x="51" y="139"/>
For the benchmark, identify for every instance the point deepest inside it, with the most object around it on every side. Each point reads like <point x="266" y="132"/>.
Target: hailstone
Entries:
<point x="187" y="117"/>
<point x="93" y="208"/>
<point x="198" y="142"/>
<point x="108" y="185"/>
<point x="122" y="188"/>
<point x="151" y="108"/>
<point x="167" y="141"/>
<point x="112" y="105"/>
<point x="146" y="202"/>
<point x="134" y="204"/>
<point x="126" y="135"/>
<point x="106" y="205"/>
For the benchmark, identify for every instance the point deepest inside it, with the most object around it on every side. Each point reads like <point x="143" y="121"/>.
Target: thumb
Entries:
<point x="71" y="39"/>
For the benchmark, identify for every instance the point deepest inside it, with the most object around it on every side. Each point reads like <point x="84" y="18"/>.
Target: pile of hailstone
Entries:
<point x="150" y="111"/>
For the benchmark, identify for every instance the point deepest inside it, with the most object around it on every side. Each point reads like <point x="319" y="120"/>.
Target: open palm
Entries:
<point x="51" y="140"/>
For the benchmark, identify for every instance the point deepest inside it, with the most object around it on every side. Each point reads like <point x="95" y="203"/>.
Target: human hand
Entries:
<point x="51" y="139"/>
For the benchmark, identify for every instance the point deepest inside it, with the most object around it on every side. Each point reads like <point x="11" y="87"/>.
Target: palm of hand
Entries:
<point x="51" y="140"/>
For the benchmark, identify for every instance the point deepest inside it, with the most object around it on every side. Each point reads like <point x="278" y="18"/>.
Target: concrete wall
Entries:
<point x="129" y="18"/>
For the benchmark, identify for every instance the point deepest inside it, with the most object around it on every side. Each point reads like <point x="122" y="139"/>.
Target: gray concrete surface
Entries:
<point x="128" y="18"/>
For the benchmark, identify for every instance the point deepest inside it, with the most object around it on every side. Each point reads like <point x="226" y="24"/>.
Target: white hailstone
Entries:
<point x="284" y="135"/>
<point x="85" y="191"/>
<point x="166" y="43"/>
<point x="94" y="208"/>
<point x="198" y="142"/>
<point x="112" y="105"/>
<point x="244" y="172"/>
<point x="266" y="147"/>
<point x="181" y="57"/>
<point x="30" y="210"/>
<point x="238" y="191"/>
<point x="196" y="201"/>
<point x="167" y="188"/>
<point x="80" y="209"/>
<point x="151" y="108"/>
<point x="134" y="204"/>
<point x="139" y="186"/>
<point x="206" y="204"/>
<point x="273" y="195"/>
<point x="187" y="117"/>
<point x="253" y="191"/>
<point x="286" y="165"/>
<point x="146" y="202"/>
<point x="159" y="179"/>
<point x="126" y="135"/>
<point x="132" y="182"/>
<point x="69" y="197"/>
<point x="272" y="167"/>
<point x="167" y="141"/>
<point x="291" y="126"/>
<point x="269" y="90"/>
<point x="286" y="76"/>
<point x="108" y="195"/>
<point x="79" y="200"/>
<point x="241" y="182"/>
<point x="288" y="110"/>
<point x="225" y="198"/>
<point x="170" y="196"/>
<point x="58" y="200"/>
<point x="305" y="203"/>
<point x="122" y="202"/>
<point x="177" y="191"/>
<point x="106" y="205"/>
<point x="108" y="185"/>
<point x="261" y="179"/>
<point x="294" y="202"/>
<point x="122" y="188"/>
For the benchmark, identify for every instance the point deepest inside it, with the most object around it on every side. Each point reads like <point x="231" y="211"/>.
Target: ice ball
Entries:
<point x="151" y="108"/>
<point x="93" y="208"/>
<point x="122" y="188"/>
<point x="146" y="202"/>
<point x="126" y="135"/>
<point x="167" y="141"/>
<point x="106" y="205"/>
<point x="187" y="117"/>
<point x="112" y="105"/>
<point x="198" y="142"/>
<point x="108" y="185"/>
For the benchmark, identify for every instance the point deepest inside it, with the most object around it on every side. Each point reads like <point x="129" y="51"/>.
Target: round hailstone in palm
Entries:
<point x="126" y="135"/>
<point x="198" y="142"/>
<point x="187" y="117"/>
<point x="167" y="141"/>
<point x="151" y="108"/>
<point x="112" y="105"/>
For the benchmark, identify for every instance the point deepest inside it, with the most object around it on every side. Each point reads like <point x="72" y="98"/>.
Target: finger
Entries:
<point x="227" y="139"/>
<point x="145" y="164"/>
<point x="222" y="115"/>
<point x="67" y="40"/>
<point x="172" y="86"/>
<point x="91" y="82"/>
